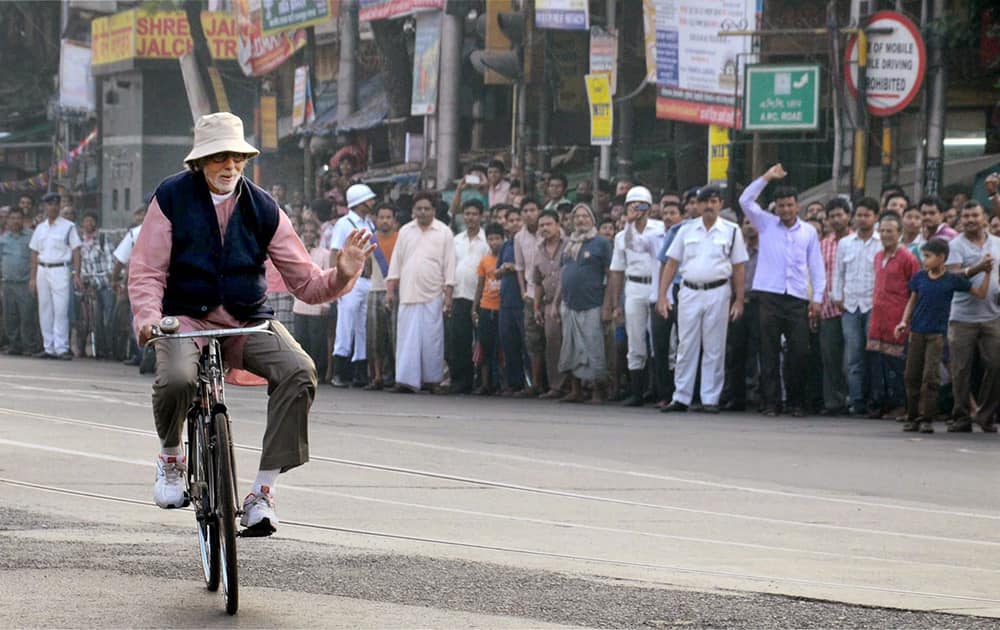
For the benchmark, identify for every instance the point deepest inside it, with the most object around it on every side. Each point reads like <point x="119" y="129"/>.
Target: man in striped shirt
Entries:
<point x="831" y="334"/>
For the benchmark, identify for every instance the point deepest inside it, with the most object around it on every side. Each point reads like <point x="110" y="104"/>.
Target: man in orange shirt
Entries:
<point x="486" y="315"/>
<point x="381" y="336"/>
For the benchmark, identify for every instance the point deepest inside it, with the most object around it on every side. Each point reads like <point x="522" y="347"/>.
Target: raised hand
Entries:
<point x="356" y="250"/>
<point x="775" y="172"/>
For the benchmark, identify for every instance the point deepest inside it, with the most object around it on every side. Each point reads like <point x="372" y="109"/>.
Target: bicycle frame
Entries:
<point x="211" y="458"/>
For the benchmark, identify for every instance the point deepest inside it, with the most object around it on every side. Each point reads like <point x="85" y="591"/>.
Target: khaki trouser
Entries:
<point x="964" y="340"/>
<point x="923" y="356"/>
<point x="291" y="387"/>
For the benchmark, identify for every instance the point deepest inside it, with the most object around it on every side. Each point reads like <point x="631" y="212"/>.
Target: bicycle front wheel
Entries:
<point x="201" y="489"/>
<point x="226" y="511"/>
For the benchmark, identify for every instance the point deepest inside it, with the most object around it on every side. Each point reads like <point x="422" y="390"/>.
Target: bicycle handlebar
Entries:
<point x="171" y="323"/>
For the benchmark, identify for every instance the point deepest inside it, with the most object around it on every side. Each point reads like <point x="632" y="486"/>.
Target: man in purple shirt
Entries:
<point x="789" y="284"/>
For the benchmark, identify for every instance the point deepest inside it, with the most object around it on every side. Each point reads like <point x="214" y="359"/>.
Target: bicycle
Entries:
<point x="211" y="475"/>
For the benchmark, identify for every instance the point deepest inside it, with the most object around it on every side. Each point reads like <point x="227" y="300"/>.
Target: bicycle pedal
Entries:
<point x="260" y="530"/>
<point x="187" y="502"/>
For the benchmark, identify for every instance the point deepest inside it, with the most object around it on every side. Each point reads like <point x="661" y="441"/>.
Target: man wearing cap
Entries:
<point x="667" y="293"/>
<point x="350" y="345"/>
<point x="710" y="255"/>
<point x="633" y="268"/>
<point x="200" y="257"/>
<point x="55" y="259"/>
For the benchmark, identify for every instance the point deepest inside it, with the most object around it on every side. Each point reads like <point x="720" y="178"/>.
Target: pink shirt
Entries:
<point x="151" y="260"/>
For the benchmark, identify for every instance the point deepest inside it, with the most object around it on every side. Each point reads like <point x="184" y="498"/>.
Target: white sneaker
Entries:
<point x="258" y="513"/>
<point x="169" y="490"/>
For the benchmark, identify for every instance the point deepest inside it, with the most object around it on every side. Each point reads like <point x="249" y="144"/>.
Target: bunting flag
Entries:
<point x="61" y="169"/>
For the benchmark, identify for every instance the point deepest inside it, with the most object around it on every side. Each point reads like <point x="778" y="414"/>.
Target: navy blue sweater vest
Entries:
<point x="205" y="269"/>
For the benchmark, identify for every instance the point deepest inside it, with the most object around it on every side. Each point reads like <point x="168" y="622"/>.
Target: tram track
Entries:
<point x="500" y="549"/>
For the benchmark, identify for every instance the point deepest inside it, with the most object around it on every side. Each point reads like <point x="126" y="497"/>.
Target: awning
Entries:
<point x="38" y="133"/>
<point x="373" y="110"/>
<point x="956" y="170"/>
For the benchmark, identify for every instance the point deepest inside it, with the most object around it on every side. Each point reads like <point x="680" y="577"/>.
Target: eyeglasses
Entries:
<point x="219" y="158"/>
<point x="641" y="207"/>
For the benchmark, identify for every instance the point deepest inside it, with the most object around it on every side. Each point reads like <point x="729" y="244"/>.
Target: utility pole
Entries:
<point x="448" y="94"/>
<point x="545" y="106"/>
<point x="921" y="154"/>
<point x="605" y="165"/>
<point x="935" y="115"/>
<point x="859" y="162"/>
<point x="347" y="71"/>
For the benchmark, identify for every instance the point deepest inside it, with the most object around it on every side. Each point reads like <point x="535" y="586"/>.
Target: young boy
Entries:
<point x="927" y="315"/>
<point x="486" y="314"/>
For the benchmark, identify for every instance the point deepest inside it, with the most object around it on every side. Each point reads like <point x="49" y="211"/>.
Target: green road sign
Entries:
<point x="781" y="98"/>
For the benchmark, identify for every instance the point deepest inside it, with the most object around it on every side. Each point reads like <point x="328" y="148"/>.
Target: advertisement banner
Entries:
<point x="563" y="15"/>
<point x="302" y="107"/>
<point x="138" y="34"/>
<point x="697" y="72"/>
<point x="257" y="53"/>
<point x="385" y="9"/>
<point x="284" y="15"/>
<point x="601" y="110"/>
<point x="718" y="154"/>
<point x="76" y="83"/>
<point x="649" y="35"/>
<point x="604" y="55"/>
<point x="426" y="58"/>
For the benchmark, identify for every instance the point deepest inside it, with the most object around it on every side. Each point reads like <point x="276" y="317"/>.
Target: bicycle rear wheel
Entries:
<point x="201" y="489"/>
<point x="225" y="499"/>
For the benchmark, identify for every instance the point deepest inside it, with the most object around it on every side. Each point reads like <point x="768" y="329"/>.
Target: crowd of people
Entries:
<point x="885" y="308"/>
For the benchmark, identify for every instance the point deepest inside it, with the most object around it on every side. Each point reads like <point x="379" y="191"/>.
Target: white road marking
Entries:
<point x="547" y="554"/>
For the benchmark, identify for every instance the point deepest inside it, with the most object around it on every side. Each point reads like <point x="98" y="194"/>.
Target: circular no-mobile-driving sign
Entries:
<point x="896" y="63"/>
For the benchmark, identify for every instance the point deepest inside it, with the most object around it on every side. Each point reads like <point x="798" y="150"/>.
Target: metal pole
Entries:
<point x="888" y="150"/>
<point x="605" y="166"/>
<point x="935" y="116"/>
<point x="545" y="106"/>
<point x="860" y="161"/>
<point x="347" y="71"/>
<point x="447" y="115"/>
<point x="522" y="137"/>
<point x="921" y="155"/>
<point x="477" y="122"/>
<point x="515" y="155"/>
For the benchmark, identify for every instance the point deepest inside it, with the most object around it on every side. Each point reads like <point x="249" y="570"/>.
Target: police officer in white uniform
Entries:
<point x="633" y="266"/>
<point x="710" y="255"/>
<point x="55" y="258"/>
<point x="352" y="307"/>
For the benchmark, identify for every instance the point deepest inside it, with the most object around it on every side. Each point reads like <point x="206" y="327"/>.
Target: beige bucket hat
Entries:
<point x="219" y="132"/>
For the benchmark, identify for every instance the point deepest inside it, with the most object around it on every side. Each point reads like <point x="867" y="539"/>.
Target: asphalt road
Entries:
<point x="456" y="512"/>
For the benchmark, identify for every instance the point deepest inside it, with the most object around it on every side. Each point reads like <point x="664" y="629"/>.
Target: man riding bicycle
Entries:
<point x="200" y="257"/>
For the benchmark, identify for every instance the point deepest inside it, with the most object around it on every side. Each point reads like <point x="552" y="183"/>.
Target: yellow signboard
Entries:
<point x="138" y="34"/>
<point x="269" y="122"/>
<point x="718" y="153"/>
<point x="601" y="109"/>
<point x="112" y="38"/>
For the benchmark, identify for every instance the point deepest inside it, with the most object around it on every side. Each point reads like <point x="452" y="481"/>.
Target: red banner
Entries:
<point x="257" y="53"/>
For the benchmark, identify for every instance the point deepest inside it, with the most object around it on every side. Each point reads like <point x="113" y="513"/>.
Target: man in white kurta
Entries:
<point x="710" y="255"/>
<point x="55" y="259"/>
<point x="422" y="277"/>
